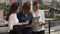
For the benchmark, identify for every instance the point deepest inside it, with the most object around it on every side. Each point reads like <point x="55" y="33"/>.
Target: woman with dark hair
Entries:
<point x="25" y="16"/>
<point x="14" y="25"/>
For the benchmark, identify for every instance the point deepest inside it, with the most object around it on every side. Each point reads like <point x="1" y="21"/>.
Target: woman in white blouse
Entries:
<point x="13" y="20"/>
<point x="39" y="27"/>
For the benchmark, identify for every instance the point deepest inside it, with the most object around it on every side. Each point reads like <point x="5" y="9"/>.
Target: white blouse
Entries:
<point x="13" y="20"/>
<point x="37" y="27"/>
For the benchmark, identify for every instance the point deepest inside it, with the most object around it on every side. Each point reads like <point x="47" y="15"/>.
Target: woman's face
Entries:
<point x="28" y="10"/>
<point x="18" y="9"/>
<point x="36" y="7"/>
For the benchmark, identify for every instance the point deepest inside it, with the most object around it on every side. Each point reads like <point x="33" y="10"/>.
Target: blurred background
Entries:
<point x="51" y="9"/>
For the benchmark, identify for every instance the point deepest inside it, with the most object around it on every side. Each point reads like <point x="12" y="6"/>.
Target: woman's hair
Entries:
<point x="26" y="6"/>
<point x="35" y="3"/>
<point x="13" y="9"/>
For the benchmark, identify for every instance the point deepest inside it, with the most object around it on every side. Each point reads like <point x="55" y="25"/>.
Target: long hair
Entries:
<point x="26" y="7"/>
<point x="13" y="9"/>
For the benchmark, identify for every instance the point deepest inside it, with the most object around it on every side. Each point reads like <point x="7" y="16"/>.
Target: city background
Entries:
<point x="51" y="9"/>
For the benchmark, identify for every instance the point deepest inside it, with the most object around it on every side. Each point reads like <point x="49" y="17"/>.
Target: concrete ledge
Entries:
<point x="3" y="29"/>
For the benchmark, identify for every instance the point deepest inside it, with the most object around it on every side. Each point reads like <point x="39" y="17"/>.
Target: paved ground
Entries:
<point x="3" y="33"/>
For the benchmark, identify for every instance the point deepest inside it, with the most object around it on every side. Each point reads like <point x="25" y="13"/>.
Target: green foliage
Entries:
<point x="58" y="16"/>
<point x="50" y="15"/>
<point x="2" y="5"/>
<point x="5" y="7"/>
<point x="44" y="7"/>
<point x="58" y="12"/>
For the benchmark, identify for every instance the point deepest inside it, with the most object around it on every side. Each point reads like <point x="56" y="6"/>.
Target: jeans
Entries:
<point x="16" y="30"/>
<point x="20" y="30"/>
<point x="26" y="30"/>
<point x="40" y="32"/>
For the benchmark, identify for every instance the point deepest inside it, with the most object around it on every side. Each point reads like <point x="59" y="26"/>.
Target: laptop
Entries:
<point x="35" y="20"/>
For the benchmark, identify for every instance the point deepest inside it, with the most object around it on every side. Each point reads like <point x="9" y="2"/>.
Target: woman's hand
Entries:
<point x="26" y="23"/>
<point x="41" y="23"/>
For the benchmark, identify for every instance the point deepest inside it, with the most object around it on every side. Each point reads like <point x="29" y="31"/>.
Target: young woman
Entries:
<point x="25" y="16"/>
<point x="38" y="28"/>
<point x="14" y="25"/>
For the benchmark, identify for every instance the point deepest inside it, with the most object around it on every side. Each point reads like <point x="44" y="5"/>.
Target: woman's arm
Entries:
<point x="42" y="21"/>
<point x="23" y="23"/>
<point x="11" y="22"/>
<point x="31" y="18"/>
<point x="43" y="17"/>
